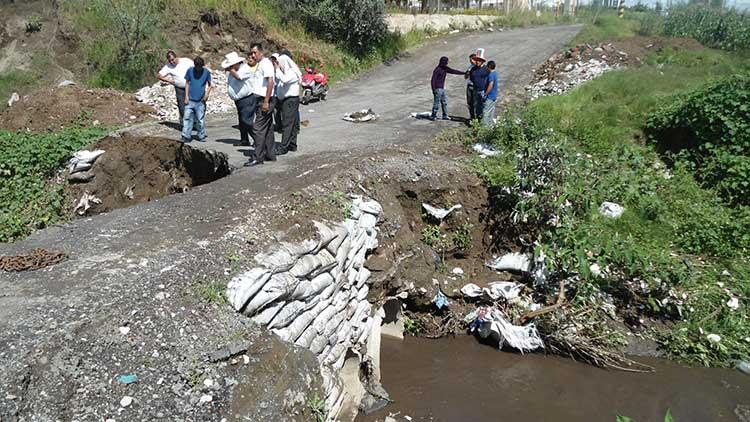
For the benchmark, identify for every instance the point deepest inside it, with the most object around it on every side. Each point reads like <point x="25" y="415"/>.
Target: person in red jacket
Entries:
<point x="438" y="87"/>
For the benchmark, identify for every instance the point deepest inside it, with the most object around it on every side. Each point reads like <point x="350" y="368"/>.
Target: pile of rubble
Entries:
<point x="566" y="70"/>
<point x="161" y="97"/>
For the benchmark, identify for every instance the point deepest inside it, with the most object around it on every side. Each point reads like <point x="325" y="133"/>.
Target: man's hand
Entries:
<point x="205" y="98"/>
<point x="266" y="106"/>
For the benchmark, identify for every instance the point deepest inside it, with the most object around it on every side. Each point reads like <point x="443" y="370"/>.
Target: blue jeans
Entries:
<point x="195" y="111"/>
<point x="439" y="100"/>
<point x="488" y="118"/>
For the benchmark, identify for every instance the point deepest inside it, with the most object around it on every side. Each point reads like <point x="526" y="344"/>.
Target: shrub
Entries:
<point x="710" y="128"/>
<point x="357" y="24"/>
<point x="711" y="27"/>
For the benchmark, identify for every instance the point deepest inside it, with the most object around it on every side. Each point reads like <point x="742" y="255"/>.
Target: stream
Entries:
<point x="459" y="379"/>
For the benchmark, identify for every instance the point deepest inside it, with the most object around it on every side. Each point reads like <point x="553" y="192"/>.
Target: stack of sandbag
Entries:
<point x="314" y="293"/>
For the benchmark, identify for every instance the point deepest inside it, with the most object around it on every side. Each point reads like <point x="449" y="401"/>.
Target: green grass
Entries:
<point x="681" y="241"/>
<point x="15" y="81"/>
<point x="604" y="25"/>
<point x="30" y="198"/>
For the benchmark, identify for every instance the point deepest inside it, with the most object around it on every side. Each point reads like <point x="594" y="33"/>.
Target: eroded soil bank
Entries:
<point x="459" y="379"/>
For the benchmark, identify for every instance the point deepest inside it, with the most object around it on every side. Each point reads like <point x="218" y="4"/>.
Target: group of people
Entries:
<point x="481" y="88"/>
<point x="262" y="88"/>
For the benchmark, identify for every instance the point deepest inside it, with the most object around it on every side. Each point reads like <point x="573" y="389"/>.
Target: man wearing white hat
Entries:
<point x="479" y="78"/>
<point x="240" y="89"/>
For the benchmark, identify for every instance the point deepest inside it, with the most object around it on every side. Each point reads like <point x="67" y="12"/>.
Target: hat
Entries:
<point x="479" y="55"/>
<point x="231" y="59"/>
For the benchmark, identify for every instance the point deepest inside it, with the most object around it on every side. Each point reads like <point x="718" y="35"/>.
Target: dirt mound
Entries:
<point x="135" y="170"/>
<point x="52" y="109"/>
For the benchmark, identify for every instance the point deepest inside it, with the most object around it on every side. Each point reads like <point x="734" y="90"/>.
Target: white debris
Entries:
<point x="66" y="83"/>
<point x="485" y="150"/>
<point x="515" y="261"/>
<point x="714" y="338"/>
<point x="508" y="290"/>
<point x="161" y="97"/>
<point x="489" y="322"/>
<point x="85" y="203"/>
<point x="83" y="160"/>
<point x="360" y="116"/>
<point x="611" y="209"/>
<point x="472" y="290"/>
<point x="457" y="271"/>
<point x="206" y="398"/>
<point x="13" y="98"/>
<point x="440" y="213"/>
<point x="573" y="75"/>
<point x="208" y="382"/>
<point x="733" y="303"/>
<point x="595" y="270"/>
<point x="129" y="192"/>
<point x="126" y="401"/>
<point x="124" y="330"/>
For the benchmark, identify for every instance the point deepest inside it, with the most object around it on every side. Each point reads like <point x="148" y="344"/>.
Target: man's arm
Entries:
<point x="187" y="91"/>
<point x="489" y="87"/>
<point x="454" y="71"/>
<point x="208" y="90"/>
<point x="165" y="79"/>
<point x="269" y="90"/>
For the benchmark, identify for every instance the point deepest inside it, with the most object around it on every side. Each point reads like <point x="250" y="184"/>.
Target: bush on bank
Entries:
<point x="712" y="27"/>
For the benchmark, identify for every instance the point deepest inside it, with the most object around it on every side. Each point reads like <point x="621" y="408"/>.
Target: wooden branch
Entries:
<point x="546" y="309"/>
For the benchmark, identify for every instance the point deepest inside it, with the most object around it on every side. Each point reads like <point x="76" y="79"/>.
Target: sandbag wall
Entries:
<point x="314" y="293"/>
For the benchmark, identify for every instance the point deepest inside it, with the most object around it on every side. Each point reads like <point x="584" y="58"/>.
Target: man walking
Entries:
<point x="288" y="77"/>
<point x="438" y="87"/>
<point x="240" y="89"/>
<point x="470" y="85"/>
<point x="490" y="96"/>
<point x="479" y="80"/>
<point x="265" y="103"/>
<point x="197" y="90"/>
<point x="173" y="73"/>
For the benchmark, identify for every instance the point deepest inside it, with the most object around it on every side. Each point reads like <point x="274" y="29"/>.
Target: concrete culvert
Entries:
<point x="135" y="170"/>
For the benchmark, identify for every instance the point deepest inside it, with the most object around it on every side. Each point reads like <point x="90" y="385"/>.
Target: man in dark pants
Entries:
<point x="479" y="79"/>
<point x="266" y="101"/>
<point x="470" y="86"/>
<point x="173" y="73"/>
<point x="288" y="77"/>
<point x="240" y="89"/>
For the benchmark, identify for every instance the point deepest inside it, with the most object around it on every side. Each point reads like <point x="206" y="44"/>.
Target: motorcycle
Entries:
<point x="314" y="85"/>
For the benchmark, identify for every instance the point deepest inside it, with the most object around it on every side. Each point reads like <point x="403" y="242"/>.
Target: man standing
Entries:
<point x="288" y="77"/>
<point x="240" y="89"/>
<point x="173" y="73"/>
<point x="438" y="87"/>
<point x="490" y="96"/>
<point x="264" y="90"/>
<point x="479" y="79"/>
<point x="470" y="85"/>
<point x="197" y="90"/>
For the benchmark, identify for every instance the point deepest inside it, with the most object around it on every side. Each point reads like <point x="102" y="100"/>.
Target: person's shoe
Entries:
<point x="446" y="118"/>
<point x="281" y="151"/>
<point x="271" y="159"/>
<point x="292" y="149"/>
<point x="245" y="144"/>
<point x="203" y="139"/>
<point x="185" y="140"/>
<point x="432" y="118"/>
<point x="253" y="163"/>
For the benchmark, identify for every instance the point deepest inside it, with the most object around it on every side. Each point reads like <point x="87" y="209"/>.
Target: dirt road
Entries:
<point x="128" y="299"/>
<point x="395" y="90"/>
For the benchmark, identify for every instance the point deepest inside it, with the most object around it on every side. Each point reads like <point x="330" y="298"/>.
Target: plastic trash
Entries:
<point x="611" y="209"/>
<point x="83" y="160"/>
<point x="486" y="150"/>
<point x="515" y="261"/>
<point x="13" y="98"/>
<point x="490" y="323"/>
<point x="127" y="379"/>
<point x="360" y="116"/>
<point x="440" y="213"/>
<point x="508" y="290"/>
<point x="440" y="300"/>
<point x="742" y="366"/>
<point x="472" y="290"/>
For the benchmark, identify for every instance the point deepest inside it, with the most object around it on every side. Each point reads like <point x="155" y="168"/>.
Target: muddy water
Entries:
<point x="461" y="380"/>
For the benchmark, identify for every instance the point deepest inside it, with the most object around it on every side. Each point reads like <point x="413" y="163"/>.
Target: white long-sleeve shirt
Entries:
<point x="240" y="88"/>
<point x="288" y="79"/>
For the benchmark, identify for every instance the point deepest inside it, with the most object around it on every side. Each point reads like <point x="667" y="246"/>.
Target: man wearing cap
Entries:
<point x="240" y="89"/>
<point x="173" y="73"/>
<point x="479" y="78"/>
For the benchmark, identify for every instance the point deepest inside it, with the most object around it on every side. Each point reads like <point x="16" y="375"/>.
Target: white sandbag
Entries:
<point x="336" y="407"/>
<point x="362" y="276"/>
<point x="319" y="343"/>
<point x="372" y="240"/>
<point x="335" y="353"/>
<point x="368" y="221"/>
<point x="298" y="326"/>
<point x="306" y="289"/>
<point x="266" y="315"/>
<point x="358" y="260"/>
<point x="363" y="291"/>
<point x="508" y="290"/>
<point x="371" y="207"/>
<point x="354" y="211"/>
<point x="472" y="290"/>
<point x="516" y="262"/>
<point x="339" y="362"/>
<point x="82" y="160"/>
<point x="343" y="252"/>
<point x="333" y="323"/>
<point x="351" y="307"/>
<point x="440" y="213"/>
<point x="278" y="261"/>
<point x="341" y="234"/>
<point x="243" y="287"/>
<point x="322" y="319"/>
<point x="328" y="292"/>
<point x="278" y="285"/>
<point x="325" y="235"/>
<point x="284" y="334"/>
<point x="364" y="331"/>
<point x="300" y="248"/>
<point x="341" y="301"/>
<point x="79" y="167"/>
<point x="307" y="337"/>
<point x="327" y="263"/>
<point x="287" y="314"/>
<point x="305" y="265"/>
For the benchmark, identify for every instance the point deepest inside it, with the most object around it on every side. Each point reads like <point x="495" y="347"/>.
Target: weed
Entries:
<point x="411" y="326"/>
<point x="213" y="293"/>
<point x="667" y="417"/>
<point x="317" y="407"/>
<point x="34" y="24"/>
<point x="461" y="237"/>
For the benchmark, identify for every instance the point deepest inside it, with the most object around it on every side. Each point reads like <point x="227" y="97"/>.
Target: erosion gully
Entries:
<point x="459" y="379"/>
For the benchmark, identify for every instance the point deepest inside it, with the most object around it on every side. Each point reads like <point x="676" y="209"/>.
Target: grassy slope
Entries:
<point x="680" y="239"/>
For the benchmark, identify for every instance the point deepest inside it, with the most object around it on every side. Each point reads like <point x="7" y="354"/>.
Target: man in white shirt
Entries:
<point x="173" y="73"/>
<point x="240" y="89"/>
<point x="264" y="90"/>
<point x="288" y="77"/>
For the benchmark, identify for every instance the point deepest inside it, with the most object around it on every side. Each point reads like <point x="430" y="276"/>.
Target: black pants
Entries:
<point x="263" y="131"/>
<point x="179" y="93"/>
<point x="289" y="123"/>
<point x="246" y="116"/>
<point x="470" y="101"/>
<point x="478" y="105"/>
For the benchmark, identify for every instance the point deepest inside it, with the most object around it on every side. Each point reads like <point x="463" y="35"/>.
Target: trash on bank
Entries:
<point x="611" y="209"/>
<point x="485" y="150"/>
<point x="516" y="262"/>
<point x="490" y="323"/>
<point x="360" y="116"/>
<point x="440" y="300"/>
<point x="507" y="290"/>
<point x="127" y="379"/>
<point x="440" y="213"/>
<point x="13" y="98"/>
<point x="85" y="203"/>
<point x="83" y="160"/>
<point x="742" y="366"/>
